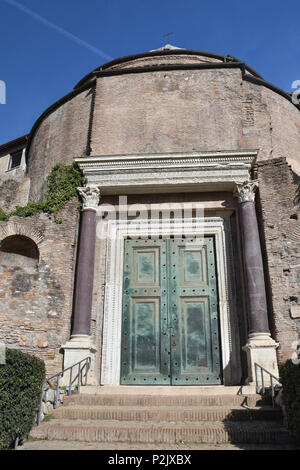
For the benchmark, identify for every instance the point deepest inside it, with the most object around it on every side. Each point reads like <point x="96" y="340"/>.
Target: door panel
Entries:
<point x="195" y="348"/>
<point x="170" y="329"/>
<point x="145" y="335"/>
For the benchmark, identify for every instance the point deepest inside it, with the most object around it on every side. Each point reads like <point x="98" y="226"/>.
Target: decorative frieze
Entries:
<point x="90" y="195"/>
<point x="199" y="171"/>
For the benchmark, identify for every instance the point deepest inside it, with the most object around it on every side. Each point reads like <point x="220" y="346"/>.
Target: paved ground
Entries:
<point x="75" y="445"/>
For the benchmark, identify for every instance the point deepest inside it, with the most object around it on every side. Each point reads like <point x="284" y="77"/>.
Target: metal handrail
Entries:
<point x="262" y="391"/>
<point x="58" y="376"/>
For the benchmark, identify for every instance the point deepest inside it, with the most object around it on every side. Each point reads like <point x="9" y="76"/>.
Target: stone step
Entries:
<point x="106" y="446"/>
<point x="168" y="390"/>
<point x="167" y="413"/>
<point x="164" y="400"/>
<point x="150" y="432"/>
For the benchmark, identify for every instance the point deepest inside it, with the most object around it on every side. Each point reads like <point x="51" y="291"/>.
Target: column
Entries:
<point x="80" y="345"/>
<point x="260" y="347"/>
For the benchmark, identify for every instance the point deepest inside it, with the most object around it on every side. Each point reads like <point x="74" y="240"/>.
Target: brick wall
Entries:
<point x="36" y="299"/>
<point x="280" y="224"/>
<point x="61" y="136"/>
<point x="192" y="110"/>
<point x="14" y="189"/>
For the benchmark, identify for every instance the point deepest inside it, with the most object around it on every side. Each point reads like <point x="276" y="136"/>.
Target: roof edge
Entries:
<point x="14" y="143"/>
<point x="121" y="60"/>
<point x="88" y="81"/>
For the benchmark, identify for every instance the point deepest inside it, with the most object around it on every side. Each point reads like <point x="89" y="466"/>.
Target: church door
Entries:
<point x="170" y="322"/>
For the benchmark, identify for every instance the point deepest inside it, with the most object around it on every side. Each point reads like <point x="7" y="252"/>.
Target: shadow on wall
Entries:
<point x="18" y="247"/>
<point x="31" y="297"/>
<point x="19" y="257"/>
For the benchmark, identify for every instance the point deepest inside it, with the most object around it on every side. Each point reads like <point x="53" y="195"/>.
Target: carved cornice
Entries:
<point x="175" y="160"/>
<point x="199" y="171"/>
<point x="245" y="192"/>
<point x="90" y="195"/>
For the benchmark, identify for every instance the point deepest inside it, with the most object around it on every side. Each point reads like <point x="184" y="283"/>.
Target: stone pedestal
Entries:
<point x="79" y="347"/>
<point x="261" y="349"/>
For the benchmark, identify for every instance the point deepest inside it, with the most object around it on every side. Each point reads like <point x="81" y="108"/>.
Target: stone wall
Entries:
<point x="14" y="190"/>
<point x="165" y="111"/>
<point x="280" y="224"/>
<point x="61" y="136"/>
<point x="192" y="110"/>
<point x="36" y="294"/>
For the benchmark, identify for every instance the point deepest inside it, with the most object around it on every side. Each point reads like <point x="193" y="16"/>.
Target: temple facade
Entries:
<point x="183" y="266"/>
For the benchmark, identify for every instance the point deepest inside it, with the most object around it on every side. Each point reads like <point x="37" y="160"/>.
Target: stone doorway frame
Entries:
<point x="116" y="232"/>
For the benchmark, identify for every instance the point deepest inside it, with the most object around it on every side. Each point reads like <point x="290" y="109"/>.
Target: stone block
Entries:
<point x="295" y="311"/>
<point x="49" y="395"/>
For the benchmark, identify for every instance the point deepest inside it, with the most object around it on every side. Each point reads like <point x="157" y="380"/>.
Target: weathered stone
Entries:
<point x="295" y="311"/>
<point x="49" y="395"/>
<point x="276" y="203"/>
<point x="40" y="294"/>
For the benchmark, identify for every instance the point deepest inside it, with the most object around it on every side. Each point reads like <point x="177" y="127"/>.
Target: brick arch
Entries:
<point x="20" y="246"/>
<point x="14" y="228"/>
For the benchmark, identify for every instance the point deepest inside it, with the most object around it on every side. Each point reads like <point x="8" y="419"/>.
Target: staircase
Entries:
<point x="182" y="416"/>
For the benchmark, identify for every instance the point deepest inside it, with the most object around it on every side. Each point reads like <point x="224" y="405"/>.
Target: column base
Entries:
<point x="79" y="347"/>
<point x="261" y="349"/>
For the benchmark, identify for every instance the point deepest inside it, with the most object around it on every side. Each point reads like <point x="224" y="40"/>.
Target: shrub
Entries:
<point x="290" y="379"/>
<point x="21" y="380"/>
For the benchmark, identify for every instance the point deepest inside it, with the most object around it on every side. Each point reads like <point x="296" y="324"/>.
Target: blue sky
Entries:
<point x="47" y="48"/>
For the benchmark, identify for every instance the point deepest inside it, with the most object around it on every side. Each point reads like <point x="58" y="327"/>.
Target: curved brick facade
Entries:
<point x="167" y="111"/>
<point x="192" y="110"/>
<point x="62" y="135"/>
<point x="156" y="103"/>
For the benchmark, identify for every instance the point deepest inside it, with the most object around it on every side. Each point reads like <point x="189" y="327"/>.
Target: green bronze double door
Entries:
<point x="170" y="321"/>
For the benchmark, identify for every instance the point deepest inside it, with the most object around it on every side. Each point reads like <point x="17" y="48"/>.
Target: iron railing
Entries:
<point x="264" y="388"/>
<point x="75" y="381"/>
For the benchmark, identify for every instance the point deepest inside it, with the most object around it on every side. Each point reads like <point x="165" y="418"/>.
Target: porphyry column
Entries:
<point x="260" y="347"/>
<point x="80" y="344"/>
<point x="85" y="262"/>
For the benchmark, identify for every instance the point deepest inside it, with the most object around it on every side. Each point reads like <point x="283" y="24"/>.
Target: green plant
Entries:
<point x="3" y="215"/>
<point x="48" y="418"/>
<point x="290" y="379"/>
<point x="21" y="380"/>
<point x="62" y="184"/>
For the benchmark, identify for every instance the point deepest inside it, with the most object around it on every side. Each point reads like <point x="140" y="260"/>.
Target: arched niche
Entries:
<point x="19" y="250"/>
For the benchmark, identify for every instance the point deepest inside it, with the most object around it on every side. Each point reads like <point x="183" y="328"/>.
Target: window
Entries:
<point x="15" y="159"/>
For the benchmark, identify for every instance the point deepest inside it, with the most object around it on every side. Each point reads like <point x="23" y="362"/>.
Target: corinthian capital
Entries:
<point x="245" y="192"/>
<point x="90" y="195"/>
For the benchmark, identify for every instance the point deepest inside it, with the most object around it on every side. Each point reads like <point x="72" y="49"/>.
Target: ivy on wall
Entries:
<point x="62" y="184"/>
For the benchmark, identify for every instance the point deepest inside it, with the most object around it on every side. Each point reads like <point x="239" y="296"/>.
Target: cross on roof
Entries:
<point x="167" y="35"/>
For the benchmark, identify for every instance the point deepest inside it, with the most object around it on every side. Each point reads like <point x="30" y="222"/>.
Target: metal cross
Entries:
<point x="168" y="36"/>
